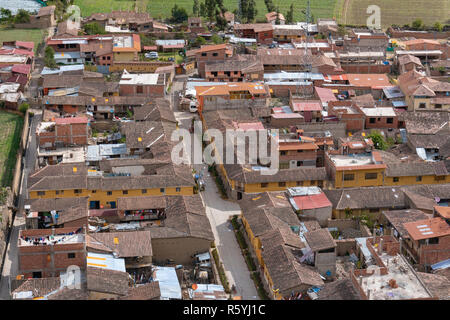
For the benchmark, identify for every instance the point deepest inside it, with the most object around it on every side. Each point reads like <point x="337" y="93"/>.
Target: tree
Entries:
<point x="22" y="16"/>
<point x="49" y="57"/>
<point x="179" y="14"/>
<point x="94" y="28"/>
<point x="438" y="26"/>
<point x="341" y="30"/>
<point x="195" y="8"/>
<point x="251" y="11"/>
<point x="378" y="140"/>
<point x="210" y="9"/>
<point x="5" y="14"/>
<point x="24" y="107"/>
<point x="200" y="41"/>
<point x="277" y="19"/>
<point x="216" y="39"/>
<point x="221" y="22"/>
<point x="290" y="15"/>
<point x="202" y="9"/>
<point x="269" y="5"/>
<point x="417" y="24"/>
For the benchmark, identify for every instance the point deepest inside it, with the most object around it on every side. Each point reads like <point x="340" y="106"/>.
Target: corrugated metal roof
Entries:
<point x="105" y="261"/>
<point x="168" y="283"/>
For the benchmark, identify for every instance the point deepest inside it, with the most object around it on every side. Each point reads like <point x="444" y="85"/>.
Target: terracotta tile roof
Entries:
<point x="107" y="281"/>
<point x="46" y="11"/>
<point x="398" y="217"/>
<point x="226" y="89"/>
<point x="307" y="105"/>
<point x="320" y="239"/>
<point x="38" y="286"/>
<point x="444" y="212"/>
<point x="297" y="146"/>
<point x="185" y="217"/>
<point x="272" y="16"/>
<point x="427" y="228"/>
<point x="369" y="80"/>
<point x="339" y="290"/>
<point x="125" y="244"/>
<point x="256" y="27"/>
<point x="366" y="198"/>
<point x="138" y="203"/>
<point x="148" y="291"/>
<point x="407" y="58"/>
<point x="262" y="220"/>
<point x="404" y="169"/>
<point x="285" y="272"/>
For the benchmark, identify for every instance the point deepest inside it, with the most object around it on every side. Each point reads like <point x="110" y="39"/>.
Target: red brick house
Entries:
<point x="262" y="32"/>
<point x="47" y="252"/>
<point x="380" y="118"/>
<point x="63" y="132"/>
<point x="142" y="84"/>
<point x="209" y="53"/>
<point x="429" y="241"/>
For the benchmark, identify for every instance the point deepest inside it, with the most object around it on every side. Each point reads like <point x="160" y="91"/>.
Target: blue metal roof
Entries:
<point x="441" y="265"/>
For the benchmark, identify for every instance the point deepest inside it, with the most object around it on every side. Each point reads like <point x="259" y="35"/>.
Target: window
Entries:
<point x="41" y="193"/>
<point x="395" y="179"/>
<point x="299" y="151"/>
<point x="299" y="163"/>
<point x="349" y="176"/>
<point x="390" y="120"/>
<point x="312" y="182"/>
<point x="162" y="190"/>
<point x="144" y="191"/>
<point x="57" y="192"/>
<point x="439" y="178"/>
<point x="215" y="54"/>
<point x="371" y="176"/>
<point x="433" y="241"/>
<point x="108" y="58"/>
<point x="418" y="178"/>
<point x="371" y="120"/>
<point x="124" y="191"/>
<point x="283" y="153"/>
<point x="299" y="183"/>
<point x="422" y="106"/>
<point x="177" y="189"/>
<point x="94" y="191"/>
<point x="109" y="193"/>
<point x="438" y="106"/>
<point x="140" y="89"/>
<point x="77" y="191"/>
<point x="71" y="255"/>
<point x="204" y="54"/>
<point x="264" y="185"/>
<point x="103" y="58"/>
<point x="37" y="274"/>
<point x="282" y="184"/>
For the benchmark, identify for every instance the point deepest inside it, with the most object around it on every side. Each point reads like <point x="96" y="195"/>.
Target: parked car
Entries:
<point x="152" y="55"/>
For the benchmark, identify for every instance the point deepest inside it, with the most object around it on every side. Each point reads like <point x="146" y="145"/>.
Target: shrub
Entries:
<point x="24" y="107"/>
<point x="223" y="277"/>
<point x="250" y="263"/>
<point x="259" y="286"/>
<point x="241" y="240"/>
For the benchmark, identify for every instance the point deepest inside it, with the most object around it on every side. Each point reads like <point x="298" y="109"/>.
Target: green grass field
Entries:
<point x="35" y="35"/>
<point x="398" y="12"/>
<point x="10" y="130"/>
<point x="162" y="8"/>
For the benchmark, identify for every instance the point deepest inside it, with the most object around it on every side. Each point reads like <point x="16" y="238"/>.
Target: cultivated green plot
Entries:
<point x="35" y="35"/>
<point x="399" y="12"/>
<point x="162" y="8"/>
<point x="10" y="130"/>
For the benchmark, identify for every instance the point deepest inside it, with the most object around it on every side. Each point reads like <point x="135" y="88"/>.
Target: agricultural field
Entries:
<point x="162" y="8"/>
<point x="398" y="12"/>
<point x="35" y="35"/>
<point x="10" y="130"/>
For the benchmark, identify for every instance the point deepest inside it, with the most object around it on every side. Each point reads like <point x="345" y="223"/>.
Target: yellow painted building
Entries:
<point x="109" y="198"/>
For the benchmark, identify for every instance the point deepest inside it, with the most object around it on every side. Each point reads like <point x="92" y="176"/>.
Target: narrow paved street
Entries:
<point x="219" y="211"/>
<point x="10" y="268"/>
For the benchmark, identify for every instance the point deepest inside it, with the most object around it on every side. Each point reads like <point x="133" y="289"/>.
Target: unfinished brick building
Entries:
<point x="63" y="132"/>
